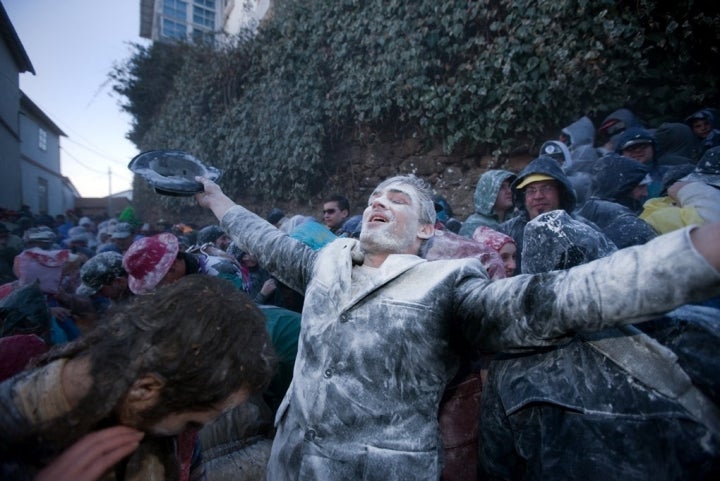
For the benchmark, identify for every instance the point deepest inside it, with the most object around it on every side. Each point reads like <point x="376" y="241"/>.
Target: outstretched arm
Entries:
<point x="286" y="258"/>
<point x="706" y="240"/>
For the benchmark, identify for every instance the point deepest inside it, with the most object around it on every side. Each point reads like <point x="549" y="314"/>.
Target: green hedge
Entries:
<point x="472" y="76"/>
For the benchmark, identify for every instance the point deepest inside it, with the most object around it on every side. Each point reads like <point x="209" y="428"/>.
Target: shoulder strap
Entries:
<point x="656" y="367"/>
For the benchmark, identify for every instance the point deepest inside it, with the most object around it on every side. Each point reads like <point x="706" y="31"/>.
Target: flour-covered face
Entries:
<point x="391" y="221"/>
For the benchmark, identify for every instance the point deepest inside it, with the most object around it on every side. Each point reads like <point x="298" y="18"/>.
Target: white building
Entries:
<point x="172" y="20"/>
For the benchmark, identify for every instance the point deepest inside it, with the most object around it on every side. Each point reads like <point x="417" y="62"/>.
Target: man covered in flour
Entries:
<point x="383" y="329"/>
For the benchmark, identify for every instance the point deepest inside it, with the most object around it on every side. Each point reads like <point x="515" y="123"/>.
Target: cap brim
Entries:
<point x="533" y="178"/>
<point x="630" y="143"/>
<point x="85" y="290"/>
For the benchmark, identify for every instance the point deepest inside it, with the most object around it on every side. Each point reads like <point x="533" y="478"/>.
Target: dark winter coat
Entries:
<point x="515" y="227"/>
<point x="611" y="207"/>
<point x="568" y="409"/>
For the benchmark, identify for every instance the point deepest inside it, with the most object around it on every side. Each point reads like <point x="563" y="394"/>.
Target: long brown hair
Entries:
<point x="201" y="335"/>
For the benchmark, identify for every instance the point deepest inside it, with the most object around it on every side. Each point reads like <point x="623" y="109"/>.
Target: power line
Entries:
<point x="81" y="163"/>
<point x="93" y="169"/>
<point x="98" y="153"/>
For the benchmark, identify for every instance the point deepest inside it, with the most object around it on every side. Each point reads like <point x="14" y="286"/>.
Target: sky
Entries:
<point x="73" y="45"/>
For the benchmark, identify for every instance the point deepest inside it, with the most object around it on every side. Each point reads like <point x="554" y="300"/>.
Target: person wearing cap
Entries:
<point x="619" y="189"/>
<point x="692" y="200"/>
<point x="540" y="187"/>
<point x="703" y="126"/>
<point x="577" y="172"/>
<point x="41" y="237"/>
<point x="213" y="234"/>
<point x="122" y="237"/>
<point x="103" y="282"/>
<point x="89" y="227"/>
<point x="492" y="200"/>
<point x="638" y="143"/>
<point x="157" y="260"/>
<point x="157" y="370"/>
<point x="383" y="330"/>
<point x="614" y="125"/>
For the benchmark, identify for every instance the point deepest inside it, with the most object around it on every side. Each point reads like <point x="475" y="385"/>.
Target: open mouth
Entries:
<point x="377" y="218"/>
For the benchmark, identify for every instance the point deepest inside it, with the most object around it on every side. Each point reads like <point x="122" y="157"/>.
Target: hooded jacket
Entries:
<point x="611" y="207"/>
<point x="616" y="123"/>
<point x="515" y="227"/>
<point x="486" y="192"/>
<point x="581" y="132"/>
<point x="538" y="407"/>
<point x="374" y="359"/>
<point x="656" y="171"/>
<point x="676" y="144"/>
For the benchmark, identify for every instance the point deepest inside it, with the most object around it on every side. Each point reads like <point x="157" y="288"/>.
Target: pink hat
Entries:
<point x="148" y="260"/>
<point x="491" y="238"/>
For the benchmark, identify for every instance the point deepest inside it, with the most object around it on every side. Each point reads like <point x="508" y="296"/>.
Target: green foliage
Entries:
<point x="472" y="75"/>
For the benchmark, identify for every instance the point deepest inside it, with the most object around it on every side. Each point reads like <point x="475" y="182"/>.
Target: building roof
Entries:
<point x="30" y="107"/>
<point x="11" y="39"/>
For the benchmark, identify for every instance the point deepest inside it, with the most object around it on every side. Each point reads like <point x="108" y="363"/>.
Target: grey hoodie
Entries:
<point x="486" y="192"/>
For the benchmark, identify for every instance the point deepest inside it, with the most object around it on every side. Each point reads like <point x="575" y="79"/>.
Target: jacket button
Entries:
<point x="343" y="318"/>
<point x="328" y="373"/>
<point x="310" y="435"/>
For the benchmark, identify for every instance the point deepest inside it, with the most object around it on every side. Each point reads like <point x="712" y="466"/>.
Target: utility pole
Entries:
<point x="110" y="212"/>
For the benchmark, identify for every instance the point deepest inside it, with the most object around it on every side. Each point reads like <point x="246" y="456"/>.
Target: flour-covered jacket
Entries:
<point x="371" y="367"/>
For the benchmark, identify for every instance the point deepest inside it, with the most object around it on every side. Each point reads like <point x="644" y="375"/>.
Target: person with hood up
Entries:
<point x="639" y="144"/>
<point x="578" y="134"/>
<point x="615" y="392"/>
<point x="540" y="187"/>
<point x="704" y="126"/>
<point x="676" y="144"/>
<point x="578" y="174"/>
<point x="503" y="244"/>
<point x="493" y="201"/>
<point x="618" y="192"/>
<point x="692" y="200"/>
<point x="614" y="125"/>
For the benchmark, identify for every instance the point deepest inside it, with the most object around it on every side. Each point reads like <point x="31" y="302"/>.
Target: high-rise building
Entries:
<point x="198" y="20"/>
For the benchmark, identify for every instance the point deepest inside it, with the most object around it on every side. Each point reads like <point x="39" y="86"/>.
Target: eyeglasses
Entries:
<point x="543" y="189"/>
<point x="329" y="211"/>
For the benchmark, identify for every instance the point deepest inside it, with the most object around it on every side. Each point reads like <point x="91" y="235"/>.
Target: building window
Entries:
<point x="174" y="30"/>
<point x="42" y="190"/>
<point x="203" y="17"/>
<point x="206" y="3"/>
<point x="42" y="139"/>
<point x="175" y="9"/>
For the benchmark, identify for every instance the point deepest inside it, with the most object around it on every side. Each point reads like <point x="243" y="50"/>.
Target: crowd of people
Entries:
<point x="568" y="327"/>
